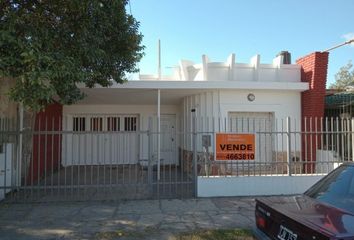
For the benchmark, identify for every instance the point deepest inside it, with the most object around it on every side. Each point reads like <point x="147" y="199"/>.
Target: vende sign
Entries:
<point x="234" y="146"/>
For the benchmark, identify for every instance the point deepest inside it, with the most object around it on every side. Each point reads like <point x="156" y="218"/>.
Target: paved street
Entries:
<point x="141" y="219"/>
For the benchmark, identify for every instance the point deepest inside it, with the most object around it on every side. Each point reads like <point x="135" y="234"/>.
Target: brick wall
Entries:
<point x="314" y="71"/>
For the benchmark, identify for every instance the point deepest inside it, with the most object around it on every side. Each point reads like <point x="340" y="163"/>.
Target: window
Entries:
<point x="113" y="124"/>
<point x="336" y="188"/>
<point x="96" y="124"/>
<point x="79" y="124"/>
<point x="130" y="123"/>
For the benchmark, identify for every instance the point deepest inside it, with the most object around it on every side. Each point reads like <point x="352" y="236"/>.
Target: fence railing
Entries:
<point x="56" y="162"/>
<point x="282" y="146"/>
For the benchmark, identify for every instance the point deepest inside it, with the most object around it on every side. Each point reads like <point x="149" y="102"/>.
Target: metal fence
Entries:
<point x="96" y="160"/>
<point x="340" y="104"/>
<point x="282" y="146"/>
<point x="90" y="164"/>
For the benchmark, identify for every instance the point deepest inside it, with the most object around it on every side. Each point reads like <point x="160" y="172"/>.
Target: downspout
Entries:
<point x="19" y="170"/>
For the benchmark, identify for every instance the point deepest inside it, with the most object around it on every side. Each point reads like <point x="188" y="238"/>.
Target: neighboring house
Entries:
<point x="339" y="103"/>
<point x="339" y="107"/>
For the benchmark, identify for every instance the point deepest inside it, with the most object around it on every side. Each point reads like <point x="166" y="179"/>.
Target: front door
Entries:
<point x="168" y="140"/>
<point x="255" y="122"/>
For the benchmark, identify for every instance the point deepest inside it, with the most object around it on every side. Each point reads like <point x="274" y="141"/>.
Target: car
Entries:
<point x="325" y="211"/>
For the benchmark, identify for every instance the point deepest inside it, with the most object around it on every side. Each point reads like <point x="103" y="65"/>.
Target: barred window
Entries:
<point x="79" y="124"/>
<point x="130" y="123"/>
<point x="96" y="124"/>
<point x="113" y="124"/>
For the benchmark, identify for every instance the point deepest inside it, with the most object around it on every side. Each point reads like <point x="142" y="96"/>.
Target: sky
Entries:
<point x="190" y="28"/>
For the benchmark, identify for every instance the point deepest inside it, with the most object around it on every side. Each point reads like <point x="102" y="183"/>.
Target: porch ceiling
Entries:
<point x="135" y="96"/>
<point x="172" y="92"/>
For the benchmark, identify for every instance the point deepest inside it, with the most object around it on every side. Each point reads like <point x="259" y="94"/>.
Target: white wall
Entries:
<point x="281" y="103"/>
<point x="213" y="108"/>
<point x="254" y="185"/>
<point x="220" y="103"/>
<point x="147" y="116"/>
<point x="143" y="110"/>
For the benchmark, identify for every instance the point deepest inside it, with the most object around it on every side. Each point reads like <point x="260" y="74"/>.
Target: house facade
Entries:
<point x="158" y="132"/>
<point x="196" y="98"/>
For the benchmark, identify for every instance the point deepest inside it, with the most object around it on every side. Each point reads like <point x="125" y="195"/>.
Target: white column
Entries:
<point x="158" y="132"/>
<point x="288" y="145"/>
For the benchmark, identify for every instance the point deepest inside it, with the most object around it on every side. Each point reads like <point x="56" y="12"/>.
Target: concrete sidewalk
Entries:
<point x="142" y="219"/>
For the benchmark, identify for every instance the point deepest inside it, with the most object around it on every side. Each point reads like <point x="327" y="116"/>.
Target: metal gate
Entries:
<point x="89" y="162"/>
<point x="92" y="163"/>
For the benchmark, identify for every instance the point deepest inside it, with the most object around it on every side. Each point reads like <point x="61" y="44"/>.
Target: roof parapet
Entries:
<point x="230" y="70"/>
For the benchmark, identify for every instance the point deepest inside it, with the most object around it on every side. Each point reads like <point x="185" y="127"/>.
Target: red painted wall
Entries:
<point x="314" y="71"/>
<point x="46" y="156"/>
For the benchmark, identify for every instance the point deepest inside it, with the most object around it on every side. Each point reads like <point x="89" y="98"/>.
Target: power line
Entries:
<point x="339" y="45"/>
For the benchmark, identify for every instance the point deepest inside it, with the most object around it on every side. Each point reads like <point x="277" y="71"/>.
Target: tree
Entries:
<point x="50" y="46"/>
<point x="344" y="78"/>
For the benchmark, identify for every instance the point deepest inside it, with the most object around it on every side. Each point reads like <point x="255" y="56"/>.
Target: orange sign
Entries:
<point x="235" y="146"/>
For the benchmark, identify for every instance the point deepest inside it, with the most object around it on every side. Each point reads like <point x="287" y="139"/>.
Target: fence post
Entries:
<point x="195" y="158"/>
<point x="150" y="157"/>
<point x="2" y="151"/>
<point x="20" y="146"/>
<point x="352" y="140"/>
<point x="288" y="144"/>
<point x="149" y="172"/>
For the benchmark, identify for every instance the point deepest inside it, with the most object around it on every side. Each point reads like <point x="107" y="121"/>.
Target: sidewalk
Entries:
<point x="141" y="219"/>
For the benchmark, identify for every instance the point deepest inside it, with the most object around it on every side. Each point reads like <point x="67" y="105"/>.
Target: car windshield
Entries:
<point x="336" y="189"/>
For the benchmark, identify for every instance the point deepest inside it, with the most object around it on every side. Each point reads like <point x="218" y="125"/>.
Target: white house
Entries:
<point x="205" y="97"/>
<point x="106" y="140"/>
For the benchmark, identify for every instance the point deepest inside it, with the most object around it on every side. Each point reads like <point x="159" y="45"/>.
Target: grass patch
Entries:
<point x="111" y="235"/>
<point x="218" y="234"/>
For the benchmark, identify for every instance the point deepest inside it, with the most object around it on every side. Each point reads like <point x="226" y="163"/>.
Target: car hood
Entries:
<point x="314" y="214"/>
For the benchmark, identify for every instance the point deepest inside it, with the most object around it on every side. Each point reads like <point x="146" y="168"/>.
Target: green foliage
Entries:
<point x="50" y="46"/>
<point x="344" y="78"/>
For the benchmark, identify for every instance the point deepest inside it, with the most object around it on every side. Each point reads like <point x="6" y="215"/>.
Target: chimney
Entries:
<point x="314" y="71"/>
<point x="286" y="57"/>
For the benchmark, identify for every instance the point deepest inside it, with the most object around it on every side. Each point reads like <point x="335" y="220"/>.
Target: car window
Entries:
<point x="351" y="187"/>
<point x="337" y="188"/>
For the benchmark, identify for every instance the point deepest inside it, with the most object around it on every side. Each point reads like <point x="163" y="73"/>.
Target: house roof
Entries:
<point x="340" y="99"/>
